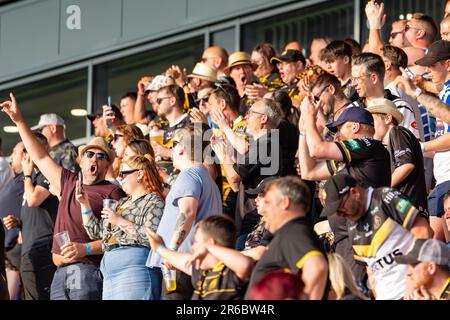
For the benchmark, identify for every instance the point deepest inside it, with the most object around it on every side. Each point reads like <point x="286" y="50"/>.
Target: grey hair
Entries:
<point x="294" y="188"/>
<point x="274" y="112"/>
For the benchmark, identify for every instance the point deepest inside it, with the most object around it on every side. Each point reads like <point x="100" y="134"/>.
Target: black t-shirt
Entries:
<point x="259" y="162"/>
<point x="38" y="222"/>
<point x="365" y="159"/>
<point x="289" y="145"/>
<point x="290" y="247"/>
<point x="218" y="283"/>
<point x="11" y="202"/>
<point x="404" y="148"/>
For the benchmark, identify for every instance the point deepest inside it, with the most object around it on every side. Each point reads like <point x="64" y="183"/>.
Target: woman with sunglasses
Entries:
<point x="125" y="275"/>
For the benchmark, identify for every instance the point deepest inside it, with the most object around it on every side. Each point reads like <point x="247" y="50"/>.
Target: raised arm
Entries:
<point x="428" y="100"/>
<point x="37" y="152"/>
<point x="376" y="18"/>
<point x="241" y="264"/>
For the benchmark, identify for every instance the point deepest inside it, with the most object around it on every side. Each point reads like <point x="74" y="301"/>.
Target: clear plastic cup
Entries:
<point x="62" y="238"/>
<point x="110" y="203"/>
<point x="169" y="277"/>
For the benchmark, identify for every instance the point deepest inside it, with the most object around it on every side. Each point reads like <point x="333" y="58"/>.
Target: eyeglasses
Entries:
<point x="99" y="155"/>
<point x="159" y="100"/>
<point x="358" y="79"/>
<point x="317" y="98"/>
<point x="123" y="174"/>
<point x="203" y="99"/>
<point x="256" y="112"/>
<point x="394" y="34"/>
<point x="117" y="136"/>
<point x="407" y="27"/>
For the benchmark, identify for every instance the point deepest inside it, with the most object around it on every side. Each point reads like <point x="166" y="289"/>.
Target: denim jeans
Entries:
<point x="126" y="277"/>
<point x="77" y="281"/>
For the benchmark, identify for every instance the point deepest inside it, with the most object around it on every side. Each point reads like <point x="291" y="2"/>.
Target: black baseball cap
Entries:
<point x="335" y="189"/>
<point x="260" y="188"/>
<point x="354" y="114"/>
<point x="438" y="51"/>
<point x="290" y="56"/>
<point x="426" y="250"/>
<point x="99" y="113"/>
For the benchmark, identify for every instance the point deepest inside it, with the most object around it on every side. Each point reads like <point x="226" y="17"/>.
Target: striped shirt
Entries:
<point x="442" y="159"/>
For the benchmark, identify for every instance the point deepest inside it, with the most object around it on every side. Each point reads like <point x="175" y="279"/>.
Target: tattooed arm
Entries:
<point x="435" y="106"/>
<point x="188" y="211"/>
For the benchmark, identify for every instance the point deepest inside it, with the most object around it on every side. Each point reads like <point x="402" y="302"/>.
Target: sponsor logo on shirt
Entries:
<point x="399" y="153"/>
<point x="386" y="260"/>
<point x="402" y="205"/>
<point x="353" y="144"/>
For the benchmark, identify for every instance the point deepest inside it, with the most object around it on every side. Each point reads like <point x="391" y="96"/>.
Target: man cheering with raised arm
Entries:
<point x="77" y="276"/>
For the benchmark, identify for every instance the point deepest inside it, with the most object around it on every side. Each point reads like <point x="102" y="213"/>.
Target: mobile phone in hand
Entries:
<point x="409" y="73"/>
<point x="80" y="177"/>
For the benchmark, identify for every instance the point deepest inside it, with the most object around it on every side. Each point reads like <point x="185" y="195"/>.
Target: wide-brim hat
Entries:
<point x="99" y="143"/>
<point x="204" y="72"/>
<point x="384" y="106"/>
<point x="239" y="58"/>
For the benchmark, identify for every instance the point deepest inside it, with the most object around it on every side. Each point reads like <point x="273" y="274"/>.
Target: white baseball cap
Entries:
<point x="49" y="119"/>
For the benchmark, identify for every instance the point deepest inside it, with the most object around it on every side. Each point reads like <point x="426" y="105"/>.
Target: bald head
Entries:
<point x="216" y="57"/>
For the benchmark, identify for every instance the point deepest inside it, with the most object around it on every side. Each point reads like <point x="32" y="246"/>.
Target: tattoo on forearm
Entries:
<point x="181" y="221"/>
<point x="435" y="106"/>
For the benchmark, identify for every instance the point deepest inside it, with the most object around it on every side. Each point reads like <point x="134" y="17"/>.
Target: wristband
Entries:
<point x="161" y="247"/>
<point x="88" y="248"/>
<point x="423" y="149"/>
<point x="302" y="133"/>
<point x="87" y="212"/>
<point x="174" y="249"/>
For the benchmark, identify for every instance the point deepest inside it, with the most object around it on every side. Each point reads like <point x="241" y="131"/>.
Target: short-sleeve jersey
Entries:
<point x="383" y="233"/>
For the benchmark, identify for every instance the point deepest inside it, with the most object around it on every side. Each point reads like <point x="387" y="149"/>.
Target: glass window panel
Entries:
<point x="225" y="38"/>
<point x="58" y="95"/>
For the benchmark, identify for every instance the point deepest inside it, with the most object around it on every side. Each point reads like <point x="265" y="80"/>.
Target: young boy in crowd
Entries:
<point x="218" y="271"/>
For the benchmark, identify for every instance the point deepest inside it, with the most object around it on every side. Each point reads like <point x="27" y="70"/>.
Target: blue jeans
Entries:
<point x="77" y="281"/>
<point x="126" y="277"/>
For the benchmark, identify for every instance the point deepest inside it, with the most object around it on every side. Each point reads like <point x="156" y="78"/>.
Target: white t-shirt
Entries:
<point x="412" y="118"/>
<point x="442" y="159"/>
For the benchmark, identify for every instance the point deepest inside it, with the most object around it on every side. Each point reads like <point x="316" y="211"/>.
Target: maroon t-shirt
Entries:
<point x="69" y="210"/>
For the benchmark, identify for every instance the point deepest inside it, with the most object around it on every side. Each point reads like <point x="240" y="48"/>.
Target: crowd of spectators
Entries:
<point x="258" y="175"/>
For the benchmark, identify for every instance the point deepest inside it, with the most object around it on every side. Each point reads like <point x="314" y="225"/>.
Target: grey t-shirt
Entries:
<point x="193" y="182"/>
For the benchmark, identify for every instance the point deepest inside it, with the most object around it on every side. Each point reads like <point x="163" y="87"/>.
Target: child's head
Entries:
<point x="217" y="229"/>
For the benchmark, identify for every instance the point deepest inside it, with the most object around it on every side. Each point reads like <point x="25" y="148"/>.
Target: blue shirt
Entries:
<point x="193" y="182"/>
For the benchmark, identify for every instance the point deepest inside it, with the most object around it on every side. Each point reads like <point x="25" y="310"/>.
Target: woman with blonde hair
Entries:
<point x="343" y="285"/>
<point x="122" y="231"/>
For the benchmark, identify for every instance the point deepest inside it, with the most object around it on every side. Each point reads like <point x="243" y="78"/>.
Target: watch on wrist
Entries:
<point x="417" y="93"/>
<point x="26" y="176"/>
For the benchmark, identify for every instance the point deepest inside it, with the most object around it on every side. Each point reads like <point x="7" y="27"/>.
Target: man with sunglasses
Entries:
<point x="78" y="276"/>
<point x="382" y="224"/>
<point x="170" y="102"/>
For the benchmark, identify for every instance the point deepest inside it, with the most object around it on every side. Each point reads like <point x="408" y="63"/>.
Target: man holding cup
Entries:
<point x="78" y="276"/>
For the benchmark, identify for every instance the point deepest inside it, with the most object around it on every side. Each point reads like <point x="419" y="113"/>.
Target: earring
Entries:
<point x="139" y="180"/>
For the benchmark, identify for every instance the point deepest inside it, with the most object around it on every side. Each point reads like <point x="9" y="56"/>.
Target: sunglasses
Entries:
<point x="117" y="136"/>
<point x="123" y="174"/>
<point x="394" y="34"/>
<point x="99" y="155"/>
<point x="317" y="98"/>
<point x="159" y="100"/>
<point x="175" y="143"/>
<point x="203" y="99"/>
<point x="407" y="27"/>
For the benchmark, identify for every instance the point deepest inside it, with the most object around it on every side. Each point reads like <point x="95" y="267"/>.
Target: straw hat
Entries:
<point x="204" y="72"/>
<point x="238" y="58"/>
<point x="384" y="106"/>
<point x="100" y="143"/>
